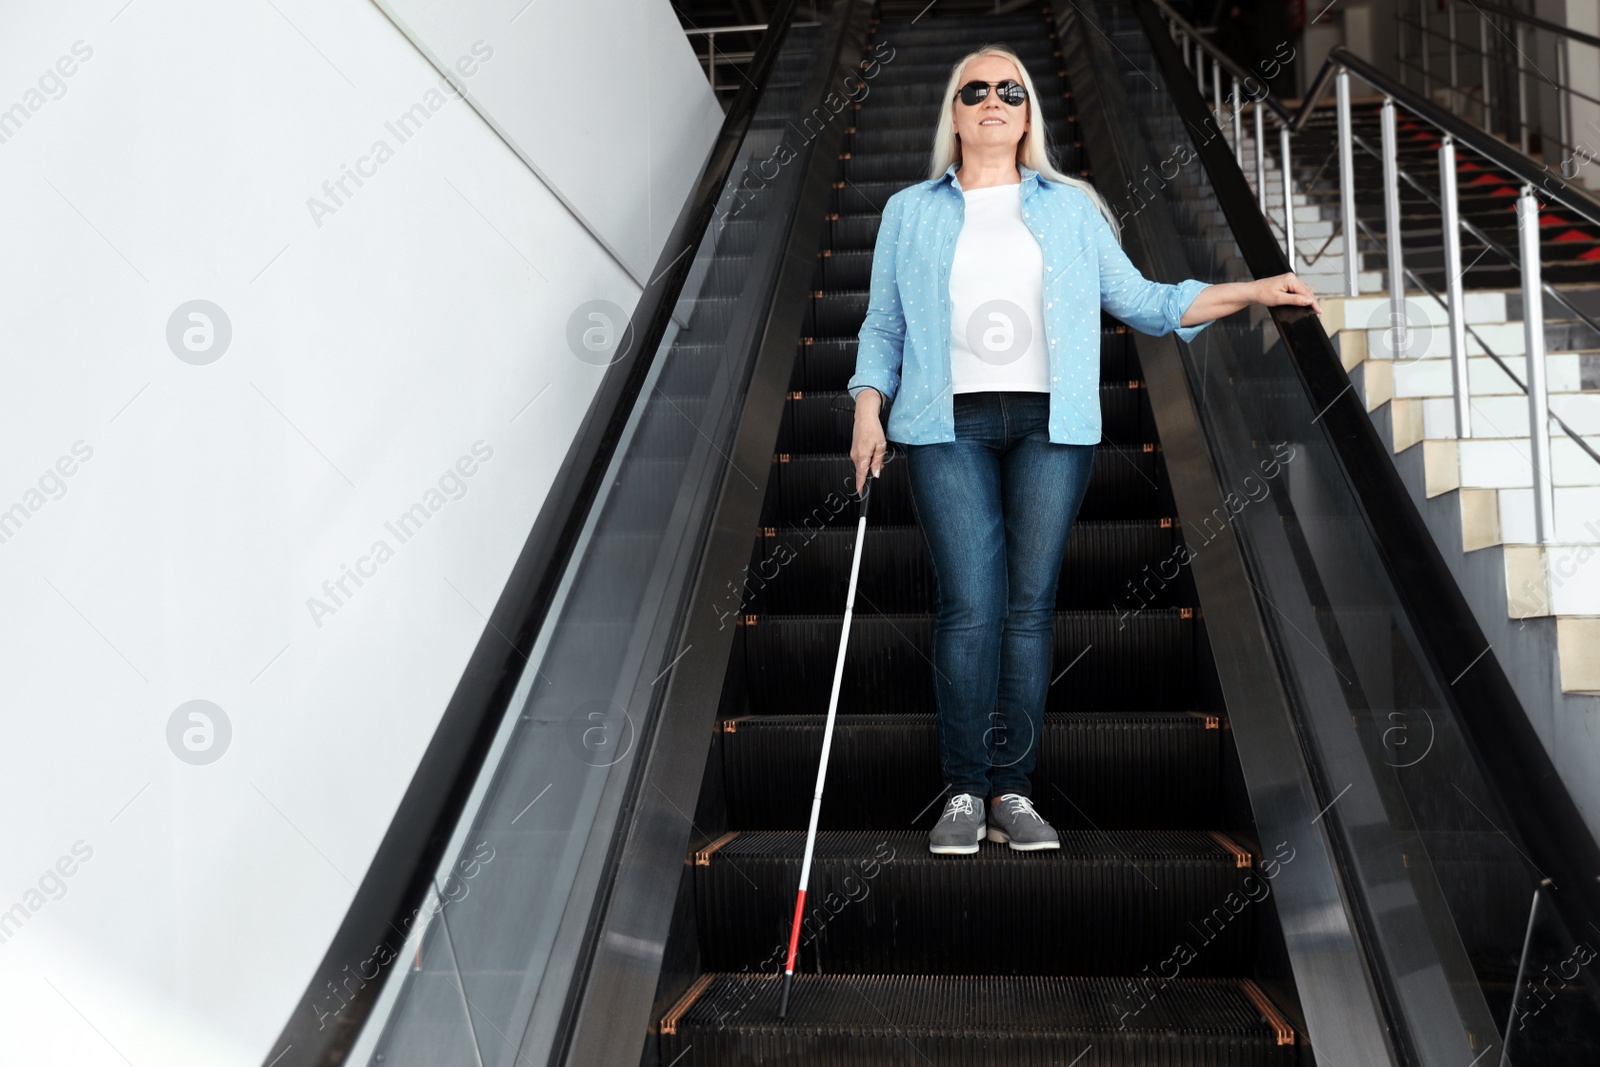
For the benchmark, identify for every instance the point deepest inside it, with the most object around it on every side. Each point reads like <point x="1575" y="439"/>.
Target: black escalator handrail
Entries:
<point x="1545" y="821"/>
<point x="403" y="868"/>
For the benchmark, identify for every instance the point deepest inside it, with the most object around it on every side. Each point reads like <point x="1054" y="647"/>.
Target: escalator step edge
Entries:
<point x="967" y="1021"/>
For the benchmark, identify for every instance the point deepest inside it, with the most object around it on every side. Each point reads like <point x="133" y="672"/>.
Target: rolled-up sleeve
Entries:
<point x="1155" y="308"/>
<point x="880" y="345"/>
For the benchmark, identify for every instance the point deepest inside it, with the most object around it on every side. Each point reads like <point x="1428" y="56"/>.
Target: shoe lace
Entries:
<point x="960" y="804"/>
<point x="1019" y="806"/>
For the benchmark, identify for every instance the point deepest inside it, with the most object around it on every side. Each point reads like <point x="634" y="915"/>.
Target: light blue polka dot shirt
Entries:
<point x="904" y="345"/>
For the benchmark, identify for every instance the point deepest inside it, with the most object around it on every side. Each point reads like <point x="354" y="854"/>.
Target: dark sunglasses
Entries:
<point x="1010" y="92"/>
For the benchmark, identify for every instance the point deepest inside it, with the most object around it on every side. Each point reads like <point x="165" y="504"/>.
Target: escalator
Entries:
<point x="597" y="859"/>
<point x="1003" y="956"/>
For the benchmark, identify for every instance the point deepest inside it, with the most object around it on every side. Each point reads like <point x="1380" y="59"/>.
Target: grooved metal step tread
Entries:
<point x="1116" y="848"/>
<point x="1105" y="660"/>
<point x="1126" y="483"/>
<point x="967" y="1021"/>
<point x="880" y="901"/>
<point x="821" y="421"/>
<point x="1095" y="770"/>
<point x="804" y="569"/>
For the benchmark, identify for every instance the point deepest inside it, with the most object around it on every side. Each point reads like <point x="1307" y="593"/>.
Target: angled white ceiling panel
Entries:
<point x="605" y="101"/>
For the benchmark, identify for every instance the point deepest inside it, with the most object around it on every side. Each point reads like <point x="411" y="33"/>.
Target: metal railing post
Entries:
<point x="1427" y="47"/>
<point x="1563" y="98"/>
<point x="1261" y="159"/>
<point x="1538" y="390"/>
<point x="1199" y="69"/>
<point x="1216" y="92"/>
<point x="1522" y="88"/>
<point x="1347" y="188"/>
<point x="1238" y="136"/>
<point x="1396" y="333"/>
<point x="1483" y="38"/>
<point x="1288" y="200"/>
<point x="1454" y="301"/>
<point x="711" y="60"/>
<point x="1455" y="67"/>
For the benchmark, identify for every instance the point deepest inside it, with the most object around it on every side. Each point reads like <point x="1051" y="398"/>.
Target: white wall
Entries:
<point x="419" y="324"/>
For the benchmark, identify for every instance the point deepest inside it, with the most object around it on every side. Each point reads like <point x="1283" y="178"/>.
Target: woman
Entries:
<point x="984" y="326"/>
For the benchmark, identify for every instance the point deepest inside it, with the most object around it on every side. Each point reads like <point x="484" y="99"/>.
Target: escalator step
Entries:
<point x="880" y="901"/>
<point x="976" y="1021"/>
<point x="883" y="115"/>
<point x="823" y="421"/>
<point x="1014" y="29"/>
<point x="1125" y="484"/>
<point x="1098" y="770"/>
<point x="1031" y="40"/>
<point x="829" y="363"/>
<point x="1103" y="661"/>
<point x="806" y="569"/>
<point x="903" y="168"/>
<point x="853" y="232"/>
<point x="927" y="80"/>
<point x="913" y="137"/>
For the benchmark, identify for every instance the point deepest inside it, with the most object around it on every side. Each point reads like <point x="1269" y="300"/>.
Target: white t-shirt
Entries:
<point x="997" y="337"/>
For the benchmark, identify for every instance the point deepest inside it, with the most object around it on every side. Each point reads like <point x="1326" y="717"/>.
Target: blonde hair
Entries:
<point x="1032" y="150"/>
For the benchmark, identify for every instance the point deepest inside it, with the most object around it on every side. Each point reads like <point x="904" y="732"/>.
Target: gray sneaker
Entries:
<point x="960" y="828"/>
<point x="1015" y="821"/>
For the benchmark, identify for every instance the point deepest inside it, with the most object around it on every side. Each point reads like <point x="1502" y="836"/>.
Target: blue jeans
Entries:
<point x="996" y="506"/>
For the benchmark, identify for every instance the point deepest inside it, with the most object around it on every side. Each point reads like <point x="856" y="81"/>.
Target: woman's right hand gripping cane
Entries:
<point x="868" y="444"/>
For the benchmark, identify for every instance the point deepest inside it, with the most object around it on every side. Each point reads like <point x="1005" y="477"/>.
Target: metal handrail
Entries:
<point x="710" y="34"/>
<point x="1573" y="197"/>
<point x="1537" y="23"/>
<point x="1521" y="26"/>
<point x="1490" y="245"/>
<point x="1588" y="210"/>
<point x="1534" y="288"/>
<point x="1233" y="66"/>
<point x="1337" y="69"/>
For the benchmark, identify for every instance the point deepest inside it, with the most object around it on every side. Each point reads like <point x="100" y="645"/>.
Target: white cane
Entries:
<point x="827" y="744"/>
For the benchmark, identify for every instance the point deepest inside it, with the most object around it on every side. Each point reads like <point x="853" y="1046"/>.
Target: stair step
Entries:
<point x="880" y="901"/>
<point x="976" y="1021"/>
<point x="1104" y="661"/>
<point x="1095" y="770"/>
<point x="806" y="569"/>
<point x="1126" y="483"/>
<point x="829" y="363"/>
<point x="824" y="421"/>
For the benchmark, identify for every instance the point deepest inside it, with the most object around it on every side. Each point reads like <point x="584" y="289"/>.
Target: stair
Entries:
<point x="1487" y="478"/>
<point x="1486" y="198"/>
<point x="1486" y="475"/>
